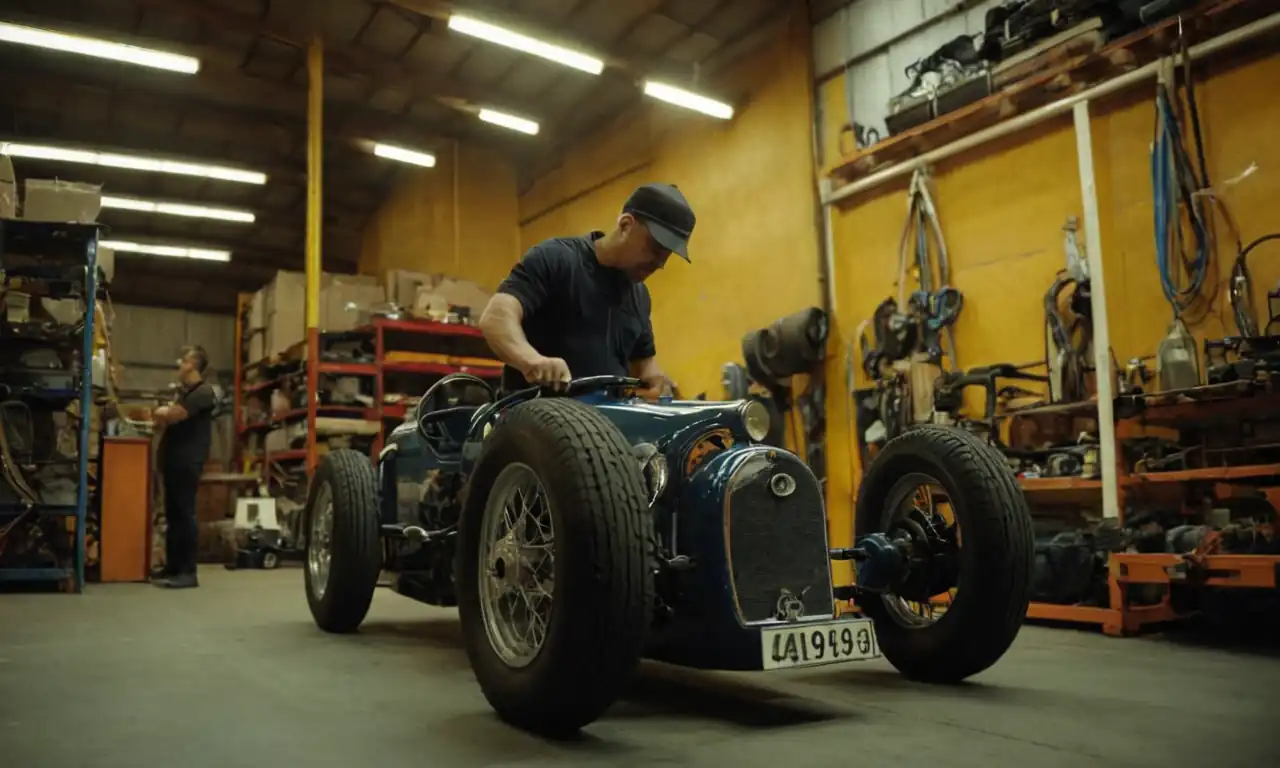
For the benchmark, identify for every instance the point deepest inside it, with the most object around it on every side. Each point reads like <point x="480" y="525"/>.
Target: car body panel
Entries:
<point x="704" y="624"/>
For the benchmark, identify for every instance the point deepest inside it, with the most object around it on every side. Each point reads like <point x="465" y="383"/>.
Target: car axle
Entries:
<point x="880" y="562"/>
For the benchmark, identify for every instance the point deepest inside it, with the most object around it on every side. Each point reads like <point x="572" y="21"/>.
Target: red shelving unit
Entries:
<point x="444" y="340"/>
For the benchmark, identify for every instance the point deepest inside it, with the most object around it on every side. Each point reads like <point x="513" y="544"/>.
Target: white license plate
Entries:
<point x="808" y="645"/>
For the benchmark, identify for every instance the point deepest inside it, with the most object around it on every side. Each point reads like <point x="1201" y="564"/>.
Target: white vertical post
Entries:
<point x="1098" y="305"/>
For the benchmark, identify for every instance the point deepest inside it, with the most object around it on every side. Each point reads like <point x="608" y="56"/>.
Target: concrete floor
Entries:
<point x="235" y="674"/>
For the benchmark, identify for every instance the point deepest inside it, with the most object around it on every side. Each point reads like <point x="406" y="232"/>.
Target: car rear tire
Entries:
<point x="602" y="599"/>
<point x="996" y="554"/>
<point x="345" y="492"/>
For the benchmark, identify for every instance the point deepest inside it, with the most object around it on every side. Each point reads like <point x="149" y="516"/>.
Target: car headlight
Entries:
<point x="755" y="419"/>
<point x="656" y="475"/>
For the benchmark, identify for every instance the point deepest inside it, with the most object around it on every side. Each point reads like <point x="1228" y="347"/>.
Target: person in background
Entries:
<point x="578" y="306"/>
<point x="184" y="447"/>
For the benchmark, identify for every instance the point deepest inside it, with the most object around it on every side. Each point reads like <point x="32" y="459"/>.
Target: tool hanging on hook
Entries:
<point x="938" y="307"/>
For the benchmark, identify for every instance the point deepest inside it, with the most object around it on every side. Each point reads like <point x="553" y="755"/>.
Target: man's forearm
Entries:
<point x="503" y="332"/>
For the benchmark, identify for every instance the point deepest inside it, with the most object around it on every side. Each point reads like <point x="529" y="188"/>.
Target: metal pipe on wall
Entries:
<point x="315" y="186"/>
<point x="1048" y="111"/>
<point x="1098" y="308"/>
<point x="315" y="140"/>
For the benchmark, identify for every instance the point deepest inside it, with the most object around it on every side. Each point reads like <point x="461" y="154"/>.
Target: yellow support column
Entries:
<point x="315" y="156"/>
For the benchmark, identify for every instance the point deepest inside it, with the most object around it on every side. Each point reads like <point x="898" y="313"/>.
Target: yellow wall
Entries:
<point x="1002" y="210"/>
<point x="461" y="223"/>
<point x="750" y="182"/>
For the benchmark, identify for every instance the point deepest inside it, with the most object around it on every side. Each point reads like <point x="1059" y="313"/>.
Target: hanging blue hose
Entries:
<point x="1173" y="182"/>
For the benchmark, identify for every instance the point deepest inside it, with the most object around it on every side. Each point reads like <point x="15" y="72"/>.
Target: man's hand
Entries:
<point x="549" y="371"/>
<point x="656" y="387"/>
<point x="160" y="416"/>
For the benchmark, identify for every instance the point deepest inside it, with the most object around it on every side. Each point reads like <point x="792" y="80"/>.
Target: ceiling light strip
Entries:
<point x="130" y="162"/>
<point x="97" y="48"/>
<point x="510" y="39"/>
<point x="687" y="99"/>
<point x="413" y="157"/>
<point x="178" y="209"/>
<point x="171" y="251"/>
<point x="512" y="122"/>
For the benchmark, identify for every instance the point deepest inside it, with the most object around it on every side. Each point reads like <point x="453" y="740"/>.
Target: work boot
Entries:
<point x="161" y="574"/>
<point x="182" y="581"/>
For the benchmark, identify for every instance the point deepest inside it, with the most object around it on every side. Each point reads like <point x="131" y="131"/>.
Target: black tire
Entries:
<point x="997" y="553"/>
<point x="356" y="551"/>
<point x="603" y="597"/>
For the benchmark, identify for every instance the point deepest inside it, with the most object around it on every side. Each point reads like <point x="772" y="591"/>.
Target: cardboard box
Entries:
<point x="61" y="201"/>
<point x="257" y="311"/>
<point x="437" y="300"/>
<point x="283" y="331"/>
<point x="287" y="292"/>
<point x="257" y="346"/>
<point x="402" y="285"/>
<point x="8" y="189"/>
<point x="345" y="302"/>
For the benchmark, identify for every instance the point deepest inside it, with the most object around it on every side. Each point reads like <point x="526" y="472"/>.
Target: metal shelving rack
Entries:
<point x="49" y="249"/>
<point x="376" y="369"/>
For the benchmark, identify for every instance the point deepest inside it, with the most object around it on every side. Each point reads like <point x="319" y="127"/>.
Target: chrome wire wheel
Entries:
<point x="921" y="511"/>
<point x="517" y="566"/>
<point x="320" y="540"/>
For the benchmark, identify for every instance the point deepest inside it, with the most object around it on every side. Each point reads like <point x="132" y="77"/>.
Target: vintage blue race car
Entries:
<point x="580" y="531"/>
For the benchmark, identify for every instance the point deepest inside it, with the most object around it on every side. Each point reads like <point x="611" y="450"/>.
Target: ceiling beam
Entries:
<point x="222" y="85"/>
<point x="495" y="13"/>
<point x="32" y="103"/>
<point x="244" y="249"/>
<point x="384" y="72"/>
<point x="177" y="293"/>
<point x="761" y="30"/>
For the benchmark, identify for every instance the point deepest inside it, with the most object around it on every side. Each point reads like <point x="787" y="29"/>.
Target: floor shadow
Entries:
<point x="855" y="681"/>
<point x="1260" y="639"/>
<point x="442" y="633"/>
<point x="663" y="690"/>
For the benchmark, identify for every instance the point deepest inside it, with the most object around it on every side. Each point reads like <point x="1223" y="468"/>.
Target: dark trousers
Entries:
<point x="182" y="537"/>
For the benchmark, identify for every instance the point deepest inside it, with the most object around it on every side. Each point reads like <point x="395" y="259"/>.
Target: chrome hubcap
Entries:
<point x="320" y="541"/>
<point x="517" y="566"/>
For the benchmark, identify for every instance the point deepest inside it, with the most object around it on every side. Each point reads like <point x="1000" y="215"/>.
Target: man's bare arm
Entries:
<point x="501" y="325"/>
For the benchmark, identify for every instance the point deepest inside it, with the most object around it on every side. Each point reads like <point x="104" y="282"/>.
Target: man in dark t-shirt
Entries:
<point x="578" y="306"/>
<point x="184" y="447"/>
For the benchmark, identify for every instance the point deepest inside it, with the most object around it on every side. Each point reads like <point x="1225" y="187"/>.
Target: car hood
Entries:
<point x="667" y="421"/>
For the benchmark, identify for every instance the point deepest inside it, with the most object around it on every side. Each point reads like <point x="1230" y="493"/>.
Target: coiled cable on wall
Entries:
<point x="1177" y="184"/>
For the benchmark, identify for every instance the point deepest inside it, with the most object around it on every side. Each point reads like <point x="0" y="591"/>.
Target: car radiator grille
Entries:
<point x="777" y="544"/>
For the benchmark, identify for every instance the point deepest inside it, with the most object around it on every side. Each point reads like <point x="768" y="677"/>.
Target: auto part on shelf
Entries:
<point x="1177" y="365"/>
<point x="1069" y="333"/>
<point x="1241" y="293"/>
<point x="948" y="391"/>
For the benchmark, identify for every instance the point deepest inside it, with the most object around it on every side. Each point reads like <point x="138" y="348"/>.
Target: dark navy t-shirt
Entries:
<point x="591" y="315"/>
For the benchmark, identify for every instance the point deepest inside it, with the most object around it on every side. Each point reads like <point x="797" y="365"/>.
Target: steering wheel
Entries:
<point x="428" y="418"/>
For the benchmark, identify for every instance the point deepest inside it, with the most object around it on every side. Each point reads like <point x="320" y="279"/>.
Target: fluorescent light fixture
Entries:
<point x="525" y="44"/>
<point x="405" y="155"/>
<point x="687" y="99"/>
<point x="178" y="209"/>
<point x="509" y="121"/>
<point x="173" y="251"/>
<point x="102" y="49"/>
<point x="131" y="162"/>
